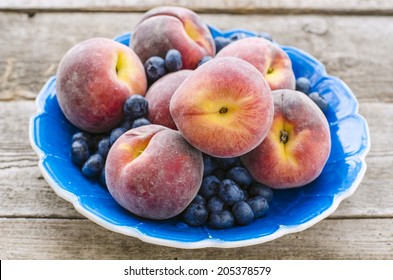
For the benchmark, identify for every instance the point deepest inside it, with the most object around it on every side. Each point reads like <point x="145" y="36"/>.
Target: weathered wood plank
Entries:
<point x="82" y="239"/>
<point x="24" y="192"/>
<point x="29" y="54"/>
<point x="203" y="6"/>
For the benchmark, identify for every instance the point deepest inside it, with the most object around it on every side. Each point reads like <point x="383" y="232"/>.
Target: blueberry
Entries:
<point x="140" y="122"/>
<point x="173" y="60"/>
<point x="79" y="152"/>
<point x="226" y="163"/>
<point x="209" y="187"/>
<point x="221" y="42"/>
<point x="320" y="101"/>
<point x="215" y="204"/>
<point x="195" y="215"/>
<point x="103" y="177"/>
<point x="262" y="190"/>
<point x="219" y="173"/>
<point x="265" y="35"/>
<point x="96" y="139"/>
<point x="222" y="219"/>
<point x="259" y="205"/>
<point x="135" y="106"/>
<point x="92" y="167"/>
<point x="246" y="195"/>
<point x="126" y="123"/>
<point x="239" y="175"/>
<point x="209" y="165"/>
<point x="237" y="36"/>
<point x="204" y="60"/>
<point x="103" y="147"/>
<point x="243" y="213"/>
<point x="116" y="133"/>
<point x="230" y="192"/>
<point x="84" y="136"/>
<point x="303" y="84"/>
<point x="155" y="68"/>
<point x="198" y="199"/>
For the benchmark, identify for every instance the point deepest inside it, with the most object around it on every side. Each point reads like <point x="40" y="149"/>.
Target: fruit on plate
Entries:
<point x="224" y="108"/>
<point x="297" y="146"/>
<point x="273" y="62"/>
<point x="159" y="96"/>
<point x="165" y="28"/>
<point x="153" y="172"/>
<point x="94" y="79"/>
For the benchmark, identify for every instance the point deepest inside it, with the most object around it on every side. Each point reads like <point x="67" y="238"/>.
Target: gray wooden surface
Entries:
<point x="354" y="39"/>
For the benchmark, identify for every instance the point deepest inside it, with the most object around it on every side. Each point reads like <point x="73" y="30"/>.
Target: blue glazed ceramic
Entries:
<point x="291" y="210"/>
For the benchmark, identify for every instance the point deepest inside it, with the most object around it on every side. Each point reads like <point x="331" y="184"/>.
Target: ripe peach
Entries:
<point x="159" y="96"/>
<point x="297" y="146"/>
<point x="153" y="172"/>
<point x="267" y="57"/>
<point x="184" y="30"/>
<point x="94" y="79"/>
<point x="224" y="108"/>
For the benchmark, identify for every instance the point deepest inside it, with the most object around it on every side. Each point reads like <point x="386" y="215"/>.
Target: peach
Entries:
<point x="153" y="172"/>
<point x="159" y="96"/>
<point x="274" y="64"/>
<point x="184" y="30"/>
<point x="297" y="146"/>
<point x="94" y="79"/>
<point x="224" y="108"/>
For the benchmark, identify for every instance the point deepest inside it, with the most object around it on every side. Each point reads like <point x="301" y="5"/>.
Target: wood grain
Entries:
<point x="26" y="63"/>
<point x="82" y="239"/>
<point x="357" y="7"/>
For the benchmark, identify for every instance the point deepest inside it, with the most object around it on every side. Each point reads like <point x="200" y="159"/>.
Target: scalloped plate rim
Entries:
<point x="133" y="232"/>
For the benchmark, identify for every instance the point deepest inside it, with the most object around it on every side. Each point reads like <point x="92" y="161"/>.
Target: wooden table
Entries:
<point x="353" y="39"/>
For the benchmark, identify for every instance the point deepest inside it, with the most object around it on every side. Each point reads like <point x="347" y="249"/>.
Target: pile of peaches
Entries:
<point x="232" y="100"/>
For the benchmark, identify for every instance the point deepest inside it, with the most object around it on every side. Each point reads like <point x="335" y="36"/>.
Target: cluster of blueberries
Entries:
<point x="157" y="67"/>
<point x="304" y="85"/>
<point x="90" y="151"/>
<point x="228" y="196"/>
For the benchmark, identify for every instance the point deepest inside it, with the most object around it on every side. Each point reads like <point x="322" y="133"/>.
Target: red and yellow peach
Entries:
<point x="94" y="79"/>
<point x="224" y="108"/>
<point x="153" y="172"/>
<point x="297" y="146"/>
<point x="184" y="30"/>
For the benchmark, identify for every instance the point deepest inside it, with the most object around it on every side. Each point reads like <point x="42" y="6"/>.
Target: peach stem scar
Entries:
<point x="223" y="110"/>
<point x="283" y="136"/>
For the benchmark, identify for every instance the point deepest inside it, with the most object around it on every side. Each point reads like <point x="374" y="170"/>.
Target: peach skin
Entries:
<point x="184" y="30"/>
<point x="267" y="57"/>
<point x="297" y="146"/>
<point x="94" y="79"/>
<point x="159" y="96"/>
<point x="224" y="108"/>
<point x="153" y="172"/>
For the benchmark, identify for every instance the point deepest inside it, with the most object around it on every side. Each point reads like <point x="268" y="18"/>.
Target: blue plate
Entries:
<point x="291" y="210"/>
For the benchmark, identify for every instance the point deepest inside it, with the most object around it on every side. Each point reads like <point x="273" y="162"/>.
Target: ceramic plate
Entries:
<point x="291" y="210"/>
